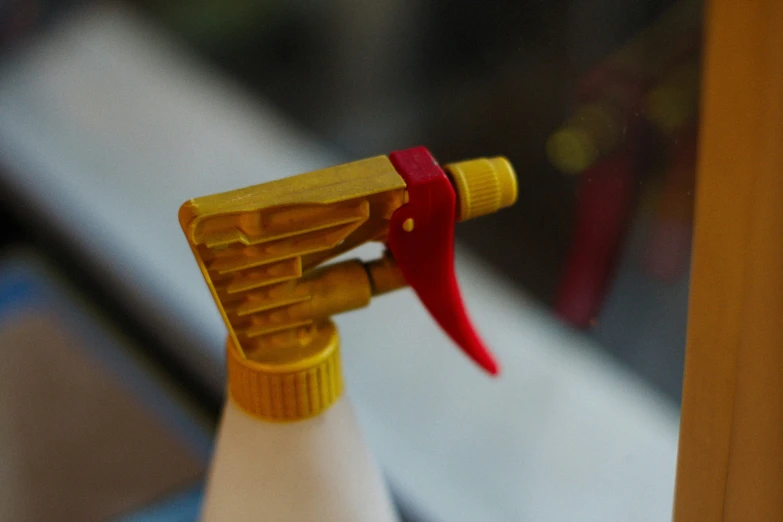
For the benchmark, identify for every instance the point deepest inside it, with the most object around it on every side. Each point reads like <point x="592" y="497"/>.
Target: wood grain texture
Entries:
<point x="730" y="464"/>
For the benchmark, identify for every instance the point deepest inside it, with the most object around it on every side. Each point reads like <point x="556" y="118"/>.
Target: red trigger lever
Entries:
<point x="421" y="239"/>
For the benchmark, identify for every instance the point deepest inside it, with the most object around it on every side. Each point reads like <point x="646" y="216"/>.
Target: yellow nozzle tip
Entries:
<point x="507" y="179"/>
<point x="483" y="186"/>
<point x="570" y="150"/>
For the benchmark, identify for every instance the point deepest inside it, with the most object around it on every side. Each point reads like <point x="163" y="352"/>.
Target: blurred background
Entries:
<point x="111" y="114"/>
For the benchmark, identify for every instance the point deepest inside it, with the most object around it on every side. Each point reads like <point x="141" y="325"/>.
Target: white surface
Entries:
<point x="106" y="128"/>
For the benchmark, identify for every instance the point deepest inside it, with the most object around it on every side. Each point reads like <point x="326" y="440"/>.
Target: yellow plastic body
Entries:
<point x="254" y="246"/>
<point x="260" y="248"/>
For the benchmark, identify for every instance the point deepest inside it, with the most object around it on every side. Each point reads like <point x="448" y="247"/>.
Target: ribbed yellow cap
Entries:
<point x="293" y="387"/>
<point x="483" y="186"/>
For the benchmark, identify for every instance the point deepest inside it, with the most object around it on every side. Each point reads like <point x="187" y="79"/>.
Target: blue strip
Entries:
<point x="19" y="290"/>
<point x="182" y="507"/>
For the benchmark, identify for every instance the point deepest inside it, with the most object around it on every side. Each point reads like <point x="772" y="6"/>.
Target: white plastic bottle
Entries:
<point x="314" y="466"/>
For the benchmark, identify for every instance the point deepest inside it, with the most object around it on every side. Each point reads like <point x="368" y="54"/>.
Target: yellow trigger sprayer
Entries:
<point x="288" y="447"/>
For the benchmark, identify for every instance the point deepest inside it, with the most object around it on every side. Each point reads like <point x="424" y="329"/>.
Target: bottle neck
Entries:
<point x="300" y="387"/>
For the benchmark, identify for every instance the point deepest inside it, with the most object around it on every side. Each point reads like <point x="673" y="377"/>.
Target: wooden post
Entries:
<point x="730" y="464"/>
